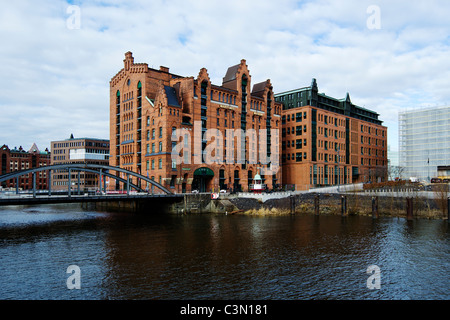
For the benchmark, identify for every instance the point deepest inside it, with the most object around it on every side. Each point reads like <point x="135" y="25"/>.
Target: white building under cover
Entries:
<point x="424" y="141"/>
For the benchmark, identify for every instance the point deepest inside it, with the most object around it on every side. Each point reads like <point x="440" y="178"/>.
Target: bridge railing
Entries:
<point x="102" y="170"/>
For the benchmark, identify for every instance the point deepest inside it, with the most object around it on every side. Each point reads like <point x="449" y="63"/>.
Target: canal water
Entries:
<point x="47" y="251"/>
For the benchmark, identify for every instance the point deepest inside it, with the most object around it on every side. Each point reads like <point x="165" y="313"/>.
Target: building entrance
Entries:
<point x="202" y="179"/>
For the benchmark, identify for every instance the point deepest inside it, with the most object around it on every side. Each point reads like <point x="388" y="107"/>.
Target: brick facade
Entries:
<point x="19" y="159"/>
<point x="328" y="141"/>
<point x="148" y="105"/>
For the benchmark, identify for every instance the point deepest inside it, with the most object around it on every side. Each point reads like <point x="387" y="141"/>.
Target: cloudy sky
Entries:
<point x="57" y="57"/>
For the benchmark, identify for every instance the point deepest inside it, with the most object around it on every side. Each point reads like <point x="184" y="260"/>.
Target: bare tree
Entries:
<point x="441" y="196"/>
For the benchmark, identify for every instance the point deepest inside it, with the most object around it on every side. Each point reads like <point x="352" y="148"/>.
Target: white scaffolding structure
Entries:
<point x="424" y="141"/>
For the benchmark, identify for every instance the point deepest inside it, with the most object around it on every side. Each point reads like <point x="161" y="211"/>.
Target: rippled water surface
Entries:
<point x="125" y="256"/>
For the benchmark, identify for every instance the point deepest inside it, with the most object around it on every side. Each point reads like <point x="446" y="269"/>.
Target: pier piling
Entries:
<point x="409" y="209"/>
<point x="292" y="203"/>
<point x="316" y="204"/>
<point x="343" y="205"/>
<point x="374" y="207"/>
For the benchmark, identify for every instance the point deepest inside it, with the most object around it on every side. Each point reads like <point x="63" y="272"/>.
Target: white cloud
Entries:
<point x="55" y="81"/>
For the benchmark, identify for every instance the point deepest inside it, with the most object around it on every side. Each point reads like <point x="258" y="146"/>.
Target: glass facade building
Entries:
<point x="424" y="141"/>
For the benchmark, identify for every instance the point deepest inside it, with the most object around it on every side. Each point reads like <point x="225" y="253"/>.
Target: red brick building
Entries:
<point x="328" y="141"/>
<point x="148" y="106"/>
<point x="19" y="159"/>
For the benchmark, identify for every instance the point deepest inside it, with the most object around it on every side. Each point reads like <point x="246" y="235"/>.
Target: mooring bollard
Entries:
<point x="374" y="207"/>
<point x="316" y="205"/>
<point x="343" y="205"/>
<point x="409" y="208"/>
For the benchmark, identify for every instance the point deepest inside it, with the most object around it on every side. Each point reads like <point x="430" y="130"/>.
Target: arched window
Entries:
<point x="139" y="91"/>
<point x="118" y="97"/>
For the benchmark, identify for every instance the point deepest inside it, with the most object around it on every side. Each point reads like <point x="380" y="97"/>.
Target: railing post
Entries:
<point x="69" y="191"/>
<point x="49" y="182"/>
<point x="17" y="185"/>
<point x="128" y="184"/>
<point x="100" y="181"/>
<point x="34" y="184"/>
<point x="79" y="182"/>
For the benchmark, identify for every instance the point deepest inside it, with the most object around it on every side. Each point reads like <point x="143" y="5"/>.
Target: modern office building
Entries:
<point x="19" y="159"/>
<point x="78" y="150"/>
<point x="165" y="126"/>
<point x="328" y="141"/>
<point x="424" y="141"/>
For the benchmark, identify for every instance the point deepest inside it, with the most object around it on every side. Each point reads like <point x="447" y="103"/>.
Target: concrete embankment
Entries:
<point x="315" y="203"/>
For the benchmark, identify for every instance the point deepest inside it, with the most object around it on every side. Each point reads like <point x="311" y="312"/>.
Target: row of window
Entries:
<point x="372" y="152"/>
<point x="369" y="130"/>
<point x="153" y="132"/>
<point x="298" y="130"/>
<point x="328" y="132"/>
<point x="324" y="175"/>
<point x="329" y="120"/>
<point x="291" y="96"/>
<point x="373" y="162"/>
<point x="25" y="182"/>
<point x="298" y="144"/>
<point x="330" y="145"/>
<point x="227" y="98"/>
<point x="153" y="150"/>
<point x="297" y="157"/>
<point x="369" y="140"/>
<point x="78" y="144"/>
<point x="159" y="164"/>
<point x="298" y="117"/>
<point x="326" y="157"/>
